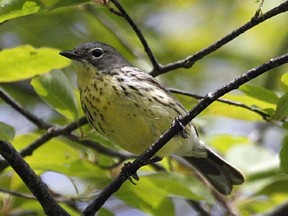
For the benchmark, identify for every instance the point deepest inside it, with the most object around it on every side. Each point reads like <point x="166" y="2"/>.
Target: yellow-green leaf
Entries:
<point x="223" y="142"/>
<point x="284" y="82"/>
<point x="17" y="8"/>
<point x="282" y="108"/>
<point x="55" y="89"/>
<point x="284" y="155"/>
<point x="25" y="61"/>
<point x="7" y="132"/>
<point x="260" y="93"/>
<point x="238" y="112"/>
<point x="59" y="156"/>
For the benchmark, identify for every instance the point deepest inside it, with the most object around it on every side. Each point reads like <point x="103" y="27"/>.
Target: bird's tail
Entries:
<point x="217" y="171"/>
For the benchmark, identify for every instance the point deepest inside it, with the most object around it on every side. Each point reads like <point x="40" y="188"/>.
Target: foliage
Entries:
<point x="254" y="136"/>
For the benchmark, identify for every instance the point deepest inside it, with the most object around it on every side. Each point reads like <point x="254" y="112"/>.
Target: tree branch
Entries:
<point x="140" y="161"/>
<point x="32" y="181"/>
<point x="190" y="60"/>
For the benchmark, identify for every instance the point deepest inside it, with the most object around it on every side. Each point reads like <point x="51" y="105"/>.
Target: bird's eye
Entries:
<point x="97" y="53"/>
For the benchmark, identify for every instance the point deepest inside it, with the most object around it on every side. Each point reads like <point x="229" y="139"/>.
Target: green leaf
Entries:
<point x="268" y="185"/>
<point x="25" y="61"/>
<point x="238" y="112"/>
<point x="7" y="132"/>
<point x="260" y="206"/>
<point x="284" y="155"/>
<point x="50" y="156"/>
<point x="284" y="82"/>
<point x="182" y="186"/>
<point x="156" y="203"/>
<point x="281" y="108"/>
<point x="278" y="186"/>
<point x="105" y="212"/>
<point x="59" y="156"/>
<point x="55" y="89"/>
<point x="223" y="142"/>
<point x="17" y="8"/>
<point x="163" y="186"/>
<point x="259" y="93"/>
<point x="141" y="199"/>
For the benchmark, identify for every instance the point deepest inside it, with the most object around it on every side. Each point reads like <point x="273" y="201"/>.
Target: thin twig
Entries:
<point x="259" y="10"/>
<point x="100" y="148"/>
<point x="190" y="60"/>
<point x="18" y="194"/>
<point x="34" y="119"/>
<point x="264" y="115"/>
<point x="71" y="202"/>
<point x="96" y="204"/>
<point x="196" y="205"/>
<point x="112" y="27"/>
<point x="138" y="32"/>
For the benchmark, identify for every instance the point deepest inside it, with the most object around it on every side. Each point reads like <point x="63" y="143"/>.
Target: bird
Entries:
<point x="131" y="108"/>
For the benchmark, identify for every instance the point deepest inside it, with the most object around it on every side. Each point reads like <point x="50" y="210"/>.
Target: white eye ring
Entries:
<point x="97" y="52"/>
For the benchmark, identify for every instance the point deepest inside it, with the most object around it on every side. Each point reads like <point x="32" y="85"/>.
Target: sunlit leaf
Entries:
<point x="7" y="132"/>
<point x="224" y="142"/>
<point x="55" y="89"/>
<point x="259" y="93"/>
<point x="237" y="112"/>
<point x="17" y="8"/>
<point x="59" y="156"/>
<point x="24" y="62"/>
<point x="56" y="151"/>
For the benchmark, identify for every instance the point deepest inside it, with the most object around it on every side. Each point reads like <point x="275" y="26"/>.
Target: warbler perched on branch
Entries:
<point x="130" y="107"/>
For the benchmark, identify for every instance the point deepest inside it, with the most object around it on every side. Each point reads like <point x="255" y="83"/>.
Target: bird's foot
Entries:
<point x="130" y="175"/>
<point x="183" y="133"/>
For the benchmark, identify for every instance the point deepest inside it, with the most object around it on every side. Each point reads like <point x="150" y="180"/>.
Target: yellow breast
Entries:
<point x="127" y="115"/>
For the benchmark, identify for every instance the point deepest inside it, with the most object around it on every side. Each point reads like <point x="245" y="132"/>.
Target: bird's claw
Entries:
<point x="130" y="175"/>
<point x="183" y="133"/>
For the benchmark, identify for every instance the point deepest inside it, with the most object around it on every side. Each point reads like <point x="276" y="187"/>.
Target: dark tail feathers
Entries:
<point x="217" y="171"/>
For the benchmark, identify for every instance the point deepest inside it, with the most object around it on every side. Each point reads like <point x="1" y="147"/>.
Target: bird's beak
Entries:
<point x="71" y="55"/>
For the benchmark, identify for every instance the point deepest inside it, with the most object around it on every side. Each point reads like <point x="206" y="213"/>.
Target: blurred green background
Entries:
<point x="174" y="30"/>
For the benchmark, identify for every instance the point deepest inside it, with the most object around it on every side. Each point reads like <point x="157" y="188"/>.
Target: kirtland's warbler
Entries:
<point x="132" y="109"/>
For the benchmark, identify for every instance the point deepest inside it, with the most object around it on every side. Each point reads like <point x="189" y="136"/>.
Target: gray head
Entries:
<point x="100" y="55"/>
